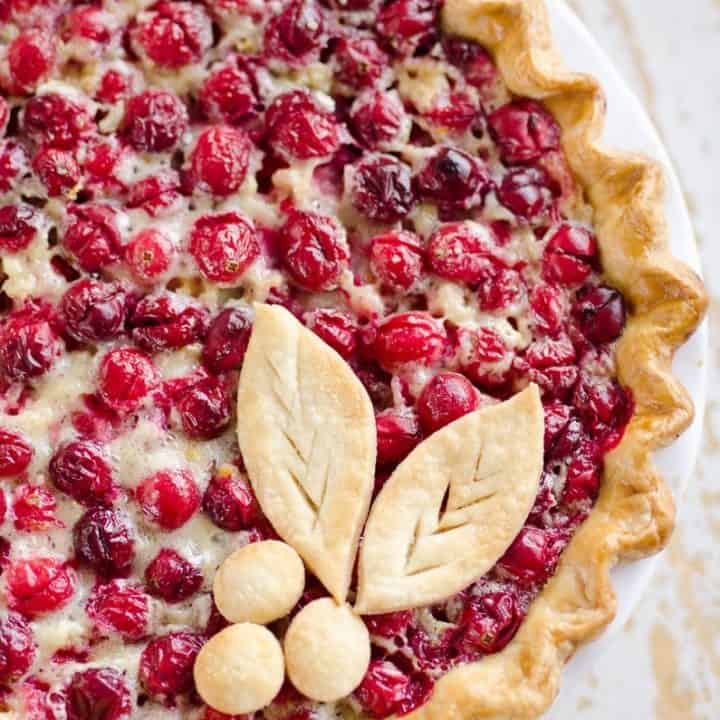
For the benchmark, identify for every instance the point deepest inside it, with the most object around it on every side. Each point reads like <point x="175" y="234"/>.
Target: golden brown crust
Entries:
<point x="634" y="514"/>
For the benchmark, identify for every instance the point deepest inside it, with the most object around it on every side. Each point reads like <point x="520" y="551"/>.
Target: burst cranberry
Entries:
<point x="168" y="498"/>
<point x="156" y="194"/>
<point x="454" y="112"/>
<point x="299" y="128"/>
<point x="125" y="377"/>
<point x="600" y="312"/>
<point x="223" y="245"/>
<point x="359" y="61"/>
<point x="500" y="288"/>
<point x="334" y="327"/>
<point x="228" y="94"/>
<point x="17" y="227"/>
<point x="155" y="120"/>
<point x="30" y="57"/>
<point x="89" y="23"/>
<point x="17" y="647"/>
<point x="451" y="177"/>
<point x="171" y="577"/>
<point x="34" y="509"/>
<point x="383" y="689"/>
<point x="524" y="130"/>
<point x="406" y="24"/>
<point x="397" y="434"/>
<point x="103" y="539"/>
<point x="113" y="86"/>
<point x="119" y="606"/>
<point x="80" y="469"/>
<point x="93" y="311"/>
<point x="377" y="118"/>
<point x="531" y="557"/>
<point x="548" y="352"/>
<point x="569" y="254"/>
<point x="381" y="188"/>
<point x="315" y="250"/>
<point x="166" y="663"/>
<point x="397" y="259"/>
<point x="490" y="622"/>
<point x="100" y="165"/>
<point x="582" y="480"/>
<point x="13" y="163"/>
<point x="409" y="337"/>
<point x="92" y="236"/>
<point x="15" y="453"/>
<point x="548" y="308"/>
<point x="526" y="192"/>
<point x="484" y="357"/>
<point x="97" y="694"/>
<point x="55" y="121"/>
<point x="167" y="320"/>
<point x="227" y="339"/>
<point x="39" y="585"/>
<point x="220" y="159"/>
<point x="472" y="59"/>
<point x="446" y="397"/>
<point x="149" y="255"/>
<point x="173" y="34"/>
<point x="296" y="34"/>
<point x="388" y="625"/>
<point x="205" y="409"/>
<point x="229" y="501"/>
<point x="57" y="170"/>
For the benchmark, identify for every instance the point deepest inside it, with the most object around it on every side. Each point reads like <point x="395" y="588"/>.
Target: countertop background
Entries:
<point x="665" y="663"/>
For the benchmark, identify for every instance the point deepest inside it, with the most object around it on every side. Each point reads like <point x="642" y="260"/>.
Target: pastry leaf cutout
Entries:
<point x="452" y="507"/>
<point x="306" y="430"/>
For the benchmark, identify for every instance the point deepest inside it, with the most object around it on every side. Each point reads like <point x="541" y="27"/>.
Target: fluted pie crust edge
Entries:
<point x="634" y="514"/>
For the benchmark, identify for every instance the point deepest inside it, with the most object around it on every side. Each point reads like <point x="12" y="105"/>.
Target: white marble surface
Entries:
<point x="665" y="664"/>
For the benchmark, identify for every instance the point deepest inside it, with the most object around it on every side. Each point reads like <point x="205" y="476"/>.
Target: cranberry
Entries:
<point x="315" y="250"/>
<point x="168" y="498"/>
<point x="484" y="357"/>
<point x="4" y="115"/>
<point x="446" y="397"/>
<point x="155" y="120"/>
<point x="223" y="245"/>
<point x="93" y="311"/>
<point x="113" y="86"/>
<point x="409" y="337"/>
<point x="17" y="647"/>
<point x="220" y="159"/>
<point x="407" y="24"/>
<point x="205" y="409"/>
<point x="92" y="236"/>
<point x="388" y="625"/>
<point x="80" y="469"/>
<point x="167" y="320"/>
<point x="500" y="288"/>
<point x="227" y="339"/>
<point x="295" y="35"/>
<point x="472" y="59"/>
<point x="39" y="585"/>
<point x="89" y="23"/>
<point x="557" y="416"/>
<point x="531" y="558"/>
<point x="381" y="188"/>
<point x="377" y="118"/>
<point x="299" y="128"/>
<point x="13" y="163"/>
<point x="397" y="259"/>
<point x="166" y="663"/>
<point x="156" y="194"/>
<point x="605" y="407"/>
<point x="548" y="352"/>
<point x="16" y="452"/>
<point x="34" y="509"/>
<point x="569" y="254"/>
<point x="100" y="164"/>
<point x="490" y="622"/>
<point x="383" y="688"/>
<point x="600" y="312"/>
<point x="359" y="61"/>
<point x="453" y="113"/>
<point x="57" y="170"/>
<point x="229" y="501"/>
<point x="171" y="577"/>
<point x="173" y="34"/>
<point x="548" y="308"/>
<point x="17" y="227"/>
<point x="526" y="192"/>
<point x="98" y="693"/>
<point x="121" y="607"/>
<point x="149" y="255"/>
<point x="582" y="480"/>
<point x="334" y="327"/>
<point x="228" y="94"/>
<point x="103" y="539"/>
<point x="55" y="121"/>
<point x="30" y="57"/>
<point x="125" y="377"/>
<point x="524" y="130"/>
<point x="397" y="434"/>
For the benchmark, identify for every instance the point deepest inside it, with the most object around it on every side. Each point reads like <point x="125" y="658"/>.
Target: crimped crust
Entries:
<point x="634" y="514"/>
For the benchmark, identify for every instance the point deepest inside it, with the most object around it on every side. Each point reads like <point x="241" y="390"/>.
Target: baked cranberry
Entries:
<point x="531" y="558"/>
<point x="103" y="539"/>
<point x="39" y="585"/>
<point x="315" y="250"/>
<point x="227" y="339"/>
<point x="388" y="625"/>
<point x="149" y="255"/>
<point x="500" y="288"/>
<point x="89" y="23"/>
<point x="156" y="194"/>
<point x="407" y="24"/>
<point x="172" y="34"/>
<point x="57" y="170"/>
<point x="229" y="501"/>
<point x="55" y="121"/>
<point x="168" y="498"/>
<point x="484" y="357"/>
<point x="167" y="320"/>
<point x="600" y="312"/>
<point x="557" y="416"/>
<point x="113" y="86"/>
<point x="490" y="622"/>
<point x="17" y="647"/>
<point x="296" y="34"/>
<point x="13" y="163"/>
<point x="155" y="120"/>
<point x="382" y="689"/>
<point x="524" y="130"/>
<point x="477" y="66"/>
<point x="397" y="434"/>
<point x="409" y="337"/>
<point x="569" y="254"/>
<point x="17" y="227"/>
<point x="92" y="236"/>
<point x="125" y="377"/>
<point x="451" y="177"/>
<point x="582" y="480"/>
<point x="223" y="245"/>
<point x="548" y="352"/>
<point x="454" y="112"/>
<point x="359" y="61"/>
<point x="16" y="452"/>
<point x="171" y="577"/>
<point x="228" y="93"/>
<point x="98" y="693"/>
<point x="336" y="328"/>
<point x="93" y="311"/>
<point x="80" y="469"/>
<point x="377" y="118"/>
<point x="100" y="165"/>
<point x="446" y="397"/>
<point x="299" y="128"/>
<point x="4" y="115"/>
<point x="119" y="606"/>
<point x="526" y="192"/>
<point x="397" y="259"/>
<point x="381" y="188"/>
<point x="30" y="57"/>
<point x="34" y="509"/>
<point x="204" y="409"/>
<point x="166" y="663"/>
<point x="220" y="159"/>
<point x="548" y="308"/>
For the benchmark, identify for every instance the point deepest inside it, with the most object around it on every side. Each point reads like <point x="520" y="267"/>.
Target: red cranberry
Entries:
<point x="548" y="308"/>
<point x="484" y="357"/>
<point x="472" y="59"/>
<point x="381" y="188"/>
<point x="13" y="163"/>
<point x="17" y="647"/>
<point x="406" y="24"/>
<point x="39" y="585"/>
<point x="16" y="452"/>
<point x="93" y="311"/>
<point x="89" y="23"/>
<point x="446" y="397"/>
<point x="173" y="34"/>
<point x="223" y="245"/>
<point x="229" y="501"/>
<point x="166" y="663"/>
<point x="490" y="622"/>
<point x="156" y="194"/>
<point x="34" y="509"/>
<point x="149" y="255"/>
<point x="4" y="115"/>
<point x="103" y="539"/>
<point x="499" y="288"/>
<point x="397" y="259"/>
<point x="397" y="434"/>
<point x="167" y="320"/>
<point x="168" y="498"/>
<point x="227" y="339"/>
<point x="569" y="254"/>
<point x="383" y="688"/>
<point x="334" y="327"/>
<point x="600" y="312"/>
<point x="454" y="113"/>
<point x="126" y="376"/>
<point x="57" y="170"/>
<point x="205" y="409"/>
<point x="155" y="120"/>
<point x="526" y="192"/>
<point x="228" y="94"/>
<point x="100" y="164"/>
<point x="451" y="177"/>
<point x="524" y="130"/>
<point x="299" y="128"/>
<point x="171" y="577"/>
<point x="557" y="416"/>
<point x="359" y="61"/>
<point x="409" y="337"/>
<point x="92" y="236"/>
<point x="55" y="121"/>
<point x="80" y="469"/>
<point x="121" y="607"/>
<point x="30" y="57"/>
<point x="531" y="557"/>
<point x="388" y="625"/>
<point x="295" y="35"/>
<point x="113" y="86"/>
<point x="17" y="227"/>
<point x="548" y="352"/>
<point x="377" y="118"/>
<point x="582" y="480"/>
<point x="98" y="694"/>
<point x="316" y="252"/>
<point x="220" y="159"/>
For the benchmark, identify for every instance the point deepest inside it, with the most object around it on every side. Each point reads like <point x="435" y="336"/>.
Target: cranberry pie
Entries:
<point x="333" y="351"/>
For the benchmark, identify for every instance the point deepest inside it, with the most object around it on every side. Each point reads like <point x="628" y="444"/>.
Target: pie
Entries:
<point x="334" y="348"/>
